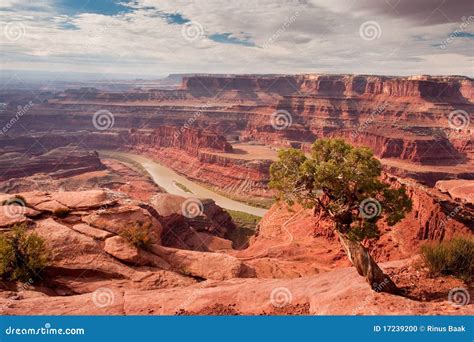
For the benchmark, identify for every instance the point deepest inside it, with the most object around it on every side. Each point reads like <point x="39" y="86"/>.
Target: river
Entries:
<point x="167" y="179"/>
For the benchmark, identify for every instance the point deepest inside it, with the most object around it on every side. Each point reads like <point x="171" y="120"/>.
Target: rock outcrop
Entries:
<point x="340" y="292"/>
<point x="298" y="233"/>
<point x="458" y="189"/>
<point x="89" y="241"/>
<point x="120" y="220"/>
<point x="59" y="162"/>
<point x="117" y="176"/>
<point x="289" y="268"/>
<point x="205" y="232"/>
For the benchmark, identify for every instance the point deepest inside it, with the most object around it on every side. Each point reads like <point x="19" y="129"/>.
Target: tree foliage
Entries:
<point x="22" y="255"/>
<point x="344" y="182"/>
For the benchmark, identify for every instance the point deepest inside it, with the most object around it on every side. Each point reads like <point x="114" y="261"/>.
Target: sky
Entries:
<point x="159" y="37"/>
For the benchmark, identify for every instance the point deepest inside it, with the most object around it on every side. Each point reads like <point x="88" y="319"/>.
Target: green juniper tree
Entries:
<point x="344" y="183"/>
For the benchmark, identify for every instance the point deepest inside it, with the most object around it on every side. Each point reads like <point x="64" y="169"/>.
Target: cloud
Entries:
<point x="229" y="38"/>
<point x="419" y="12"/>
<point x="264" y="36"/>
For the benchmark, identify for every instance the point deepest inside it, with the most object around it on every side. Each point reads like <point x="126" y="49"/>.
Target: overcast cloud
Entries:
<point x="398" y="37"/>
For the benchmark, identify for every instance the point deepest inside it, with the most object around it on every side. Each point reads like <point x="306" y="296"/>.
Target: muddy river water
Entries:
<point x="167" y="179"/>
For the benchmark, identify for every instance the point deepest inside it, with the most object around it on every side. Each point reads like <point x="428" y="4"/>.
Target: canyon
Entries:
<point x="222" y="132"/>
<point x="419" y="126"/>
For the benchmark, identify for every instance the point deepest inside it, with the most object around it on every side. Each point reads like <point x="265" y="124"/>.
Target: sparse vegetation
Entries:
<point x="23" y="255"/>
<point x="245" y="228"/>
<point x="137" y="235"/>
<point x="61" y="212"/>
<point x="454" y="257"/>
<point x="244" y="220"/>
<point x="258" y="202"/>
<point x="343" y="183"/>
<point x="183" y="187"/>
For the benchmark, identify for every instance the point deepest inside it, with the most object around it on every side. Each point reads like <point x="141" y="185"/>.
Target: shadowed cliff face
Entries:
<point x="189" y="140"/>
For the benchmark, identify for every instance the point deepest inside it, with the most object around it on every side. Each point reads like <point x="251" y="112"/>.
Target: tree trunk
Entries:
<point x="367" y="267"/>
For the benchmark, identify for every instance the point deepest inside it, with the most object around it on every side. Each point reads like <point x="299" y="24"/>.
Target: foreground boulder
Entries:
<point x="203" y="241"/>
<point x="338" y="292"/>
<point x="73" y="253"/>
<point x="205" y="265"/>
<point x="120" y="219"/>
<point x="95" y="233"/>
<point x="80" y="200"/>
<point x="202" y="214"/>
<point x="51" y="206"/>
<point x="207" y="229"/>
<point x="121" y="249"/>
<point x="15" y="214"/>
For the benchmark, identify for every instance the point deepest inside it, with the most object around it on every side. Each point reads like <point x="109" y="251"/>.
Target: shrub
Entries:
<point x="61" y="212"/>
<point x="454" y="257"/>
<point x="22" y="256"/>
<point x="183" y="187"/>
<point x="245" y="227"/>
<point x="137" y="235"/>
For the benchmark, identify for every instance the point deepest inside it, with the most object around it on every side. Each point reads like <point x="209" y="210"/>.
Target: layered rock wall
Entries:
<point x="59" y="163"/>
<point x="193" y="153"/>
<point x="425" y="87"/>
<point x="398" y="117"/>
<point x="189" y="140"/>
